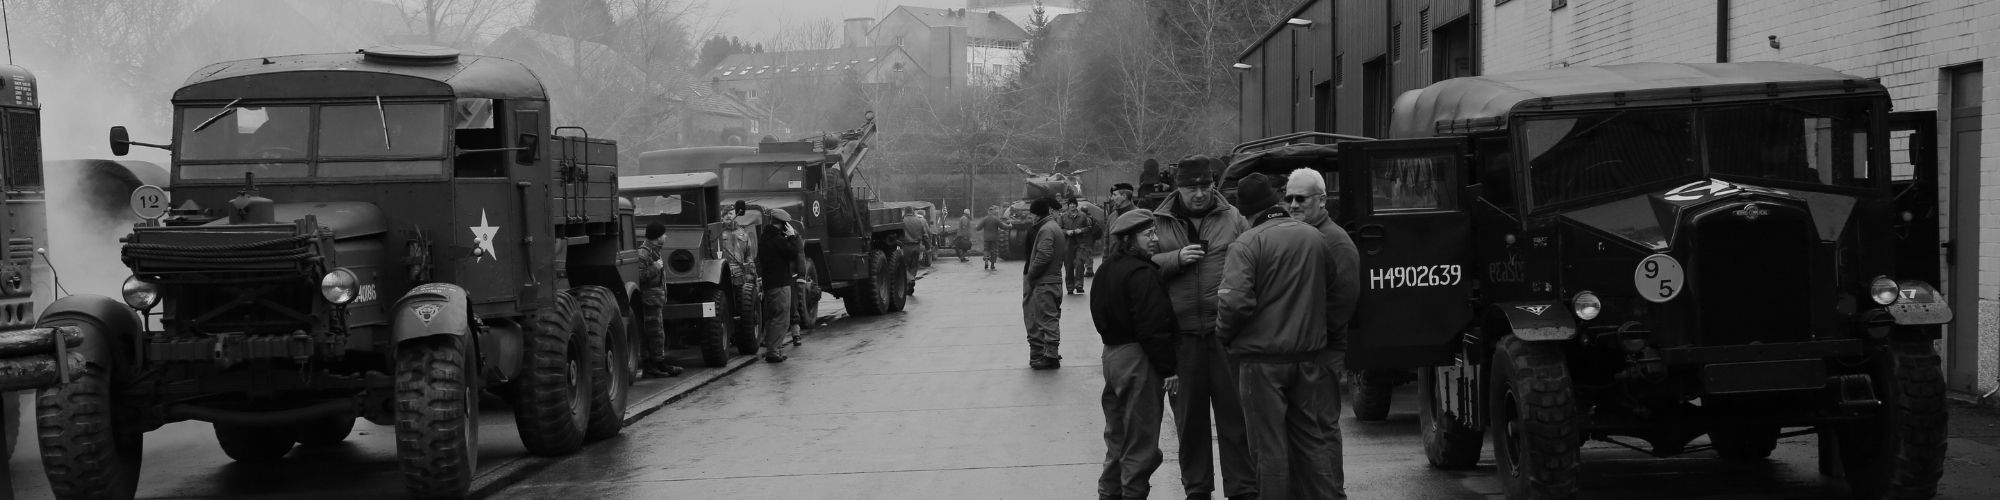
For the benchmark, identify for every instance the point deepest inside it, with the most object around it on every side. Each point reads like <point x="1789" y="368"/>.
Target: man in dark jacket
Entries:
<point x="1042" y="280"/>
<point x="652" y="300"/>
<point x="777" y="252"/>
<point x="1132" y="313"/>
<point x="989" y="236"/>
<point x="1273" y="315"/>
<point x="1081" y="229"/>
<point x="1195" y="229"/>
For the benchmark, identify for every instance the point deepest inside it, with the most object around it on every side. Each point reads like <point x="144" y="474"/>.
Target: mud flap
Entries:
<point x="430" y="309"/>
<point x="1537" y="320"/>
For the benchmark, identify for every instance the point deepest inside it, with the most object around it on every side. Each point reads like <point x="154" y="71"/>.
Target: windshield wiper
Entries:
<point x="226" y="111"/>
<point x="384" y="117"/>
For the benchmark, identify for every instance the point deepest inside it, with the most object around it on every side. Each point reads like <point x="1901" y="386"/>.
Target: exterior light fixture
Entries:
<point x="1240" y="66"/>
<point x="1304" y="23"/>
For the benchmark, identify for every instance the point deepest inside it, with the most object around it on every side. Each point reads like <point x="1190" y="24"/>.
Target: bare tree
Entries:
<point x="464" y="24"/>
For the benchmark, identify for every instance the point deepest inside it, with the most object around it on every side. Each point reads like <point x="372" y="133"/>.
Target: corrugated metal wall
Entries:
<point x="1278" y="94"/>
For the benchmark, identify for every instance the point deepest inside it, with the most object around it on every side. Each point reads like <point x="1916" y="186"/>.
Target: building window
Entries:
<point x="1424" y="30"/>
<point x="1557" y="4"/>
<point x="1396" y="42"/>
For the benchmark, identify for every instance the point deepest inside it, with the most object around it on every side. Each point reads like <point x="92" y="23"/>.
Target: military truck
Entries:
<point x="1650" y="252"/>
<point x="852" y="242"/>
<point x="708" y="287"/>
<point x="381" y="234"/>
<point x="25" y="232"/>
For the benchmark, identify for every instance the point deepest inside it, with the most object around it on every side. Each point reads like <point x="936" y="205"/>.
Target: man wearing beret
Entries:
<point x="1195" y="229"/>
<point x="1042" y="277"/>
<point x="1273" y="316"/>
<point x="1130" y="308"/>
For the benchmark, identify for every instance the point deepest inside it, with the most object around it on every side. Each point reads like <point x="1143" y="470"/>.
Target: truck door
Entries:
<point x="1914" y="179"/>
<point x="1400" y="203"/>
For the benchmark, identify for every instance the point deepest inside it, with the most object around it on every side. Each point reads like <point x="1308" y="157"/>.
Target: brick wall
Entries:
<point x="1908" y="44"/>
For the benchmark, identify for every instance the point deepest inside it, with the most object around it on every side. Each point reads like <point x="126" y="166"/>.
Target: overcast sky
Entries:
<point x="757" y="20"/>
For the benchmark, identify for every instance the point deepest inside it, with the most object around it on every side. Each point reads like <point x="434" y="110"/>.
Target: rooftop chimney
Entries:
<point x="854" y="31"/>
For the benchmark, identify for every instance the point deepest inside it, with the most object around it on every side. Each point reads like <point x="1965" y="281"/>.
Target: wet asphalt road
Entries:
<point x="937" y="402"/>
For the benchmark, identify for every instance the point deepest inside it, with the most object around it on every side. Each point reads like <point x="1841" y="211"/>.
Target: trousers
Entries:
<point x="1132" y="407"/>
<point x="1041" y="309"/>
<point x="1077" y="266"/>
<point x="777" y="318"/>
<point x="1292" y="414"/>
<point x="653" y="324"/>
<point x="1208" y="381"/>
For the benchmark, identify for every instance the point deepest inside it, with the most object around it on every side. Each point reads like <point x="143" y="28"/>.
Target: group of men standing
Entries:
<point x="1259" y="296"/>
<point x="778" y="251"/>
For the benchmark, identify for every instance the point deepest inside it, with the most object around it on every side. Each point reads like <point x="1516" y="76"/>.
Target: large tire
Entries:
<point x="603" y="326"/>
<point x="552" y="396"/>
<point x="900" y="288"/>
<point x="325" y="432"/>
<point x="870" y="296"/>
<point x="254" y="444"/>
<point x="1533" y="425"/>
<point x="1900" y="453"/>
<point x="717" y="331"/>
<point x="807" y="295"/>
<point x="1447" y="443"/>
<point x="1371" y="399"/>
<point x="437" y="415"/>
<point x="1744" y="443"/>
<point x="749" y="313"/>
<point x="85" y="450"/>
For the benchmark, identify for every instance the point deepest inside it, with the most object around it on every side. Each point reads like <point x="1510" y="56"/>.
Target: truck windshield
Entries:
<point x="1815" y="142"/>
<point x="1575" y="156"/>
<point x="360" y="140"/>
<point x="762" y="177"/>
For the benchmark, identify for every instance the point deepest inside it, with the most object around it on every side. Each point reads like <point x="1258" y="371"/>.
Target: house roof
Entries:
<point x="984" y="25"/>
<point x="799" y="63"/>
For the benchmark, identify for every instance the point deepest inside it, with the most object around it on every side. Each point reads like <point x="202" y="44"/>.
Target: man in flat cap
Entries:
<point x="1195" y="229"/>
<point x="1136" y="320"/>
<point x="777" y="253"/>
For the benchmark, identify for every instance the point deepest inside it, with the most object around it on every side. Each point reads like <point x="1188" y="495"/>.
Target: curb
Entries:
<point x="518" y="469"/>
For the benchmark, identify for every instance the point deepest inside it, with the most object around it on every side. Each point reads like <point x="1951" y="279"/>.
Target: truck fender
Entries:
<point x="711" y="271"/>
<point x="1536" y="320"/>
<point x="118" y="328"/>
<point x="430" y="309"/>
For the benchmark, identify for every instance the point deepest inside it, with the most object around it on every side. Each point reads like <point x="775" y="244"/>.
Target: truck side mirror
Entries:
<point x="121" y="141"/>
<point x="531" y="149"/>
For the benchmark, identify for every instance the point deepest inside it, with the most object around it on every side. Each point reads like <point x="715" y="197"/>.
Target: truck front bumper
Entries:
<point x="697" y="310"/>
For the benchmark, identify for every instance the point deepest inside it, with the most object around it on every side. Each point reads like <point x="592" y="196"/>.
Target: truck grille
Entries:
<point x="1751" y="276"/>
<point x="272" y="307"/>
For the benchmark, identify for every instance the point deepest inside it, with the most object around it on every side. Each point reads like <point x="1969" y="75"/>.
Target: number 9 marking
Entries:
<point x="1658" y="278"/>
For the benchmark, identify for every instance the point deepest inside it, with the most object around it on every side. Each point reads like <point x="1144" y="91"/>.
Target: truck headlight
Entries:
<point x="680" y="260"/>
<point x="1883" y="290"/>
<point x="338" y="286"/>
<point x="1586" y="305"/>
<point x="139" y="294"/>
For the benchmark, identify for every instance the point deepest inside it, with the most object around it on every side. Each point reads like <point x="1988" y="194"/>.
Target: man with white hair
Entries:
<point x="1305" y="200"/>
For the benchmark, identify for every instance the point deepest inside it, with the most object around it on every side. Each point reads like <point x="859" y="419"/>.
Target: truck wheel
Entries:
<point x="869" y="296"/>
<point x="717" y="331"/>
<point x="604" y="328"/>
<point x="253" y="444"/>
<point x="749" y="294"/>
<point x="808" y="297"/>
<point x="899" y="286"/>
<point x="1533" y="427"/>
<point x="1447" y="443"/>
<point x="325" y="432"/>
<point x="437" y="415"/>
<point x="1744" y="443"/>
<point x="85" y="451"/>
<point x="552" y="397"/>
<point x="1371" y="398"/>
<point x="1900" y="452"/>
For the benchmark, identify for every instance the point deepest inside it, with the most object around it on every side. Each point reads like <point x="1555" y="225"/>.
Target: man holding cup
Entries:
<point x="1195" y="229"/>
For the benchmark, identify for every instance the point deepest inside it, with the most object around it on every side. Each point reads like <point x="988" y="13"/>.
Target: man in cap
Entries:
<point x="1273" y="318"/>
<point x="1041" y="302"/>
<point x="1081" y="229"/>
<point x="989" y="236"/>
<point x="961" y="237"/>
<point x="777" y="253"/>
<point x="652" y="301"/>
<point x="1195" y="229"/>
<point x="1136" y="319"/>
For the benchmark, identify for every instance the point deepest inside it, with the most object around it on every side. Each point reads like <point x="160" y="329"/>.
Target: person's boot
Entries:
<point x="661" y="369"/>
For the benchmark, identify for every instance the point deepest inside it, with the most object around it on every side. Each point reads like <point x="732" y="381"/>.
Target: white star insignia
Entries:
<point x="482" y="236"/>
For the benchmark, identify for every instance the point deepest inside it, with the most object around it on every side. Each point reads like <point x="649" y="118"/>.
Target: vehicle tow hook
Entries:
<point x="1856" y="391"/>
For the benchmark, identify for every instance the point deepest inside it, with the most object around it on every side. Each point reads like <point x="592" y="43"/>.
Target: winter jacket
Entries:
<point x="1129" y="304"/>
<point x="1078" y="225"/>
<point x="1346" y="292"/>
<point x="1193" y="287"/>
<point x="651" y="268"/>
<point x="1274" y="289"/>
<point x="776" y="253"/>
<point x="1045" y="257"/>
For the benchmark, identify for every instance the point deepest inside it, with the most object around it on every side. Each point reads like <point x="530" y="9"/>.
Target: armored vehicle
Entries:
<point x="707" y="286"/>
<point x="380" y="234"/>
<point x="852" y="242"/>
<point x="1649" y="253"/>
